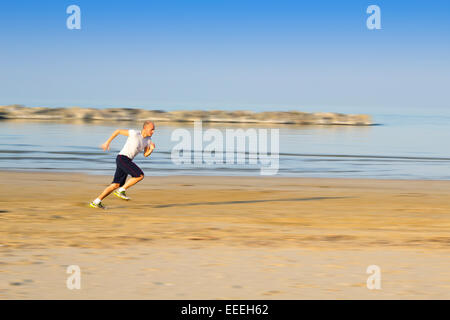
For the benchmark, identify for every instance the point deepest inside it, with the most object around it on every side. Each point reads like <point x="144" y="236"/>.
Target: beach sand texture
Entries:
<point x="190" y="237"/>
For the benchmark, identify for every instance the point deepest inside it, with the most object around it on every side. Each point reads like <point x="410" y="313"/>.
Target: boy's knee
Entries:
<point x="141" y="177"/>
<point x="116" y="185"/>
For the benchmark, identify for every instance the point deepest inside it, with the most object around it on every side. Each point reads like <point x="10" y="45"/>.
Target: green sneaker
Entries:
<point x="121" y="195"/>
<point x="98" y="206"/>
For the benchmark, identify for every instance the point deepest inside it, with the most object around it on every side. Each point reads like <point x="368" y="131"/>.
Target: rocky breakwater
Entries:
<point x="215" y="116"/>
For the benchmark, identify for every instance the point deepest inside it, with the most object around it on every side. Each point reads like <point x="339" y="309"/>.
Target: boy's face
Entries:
<point x="149" y="129"/>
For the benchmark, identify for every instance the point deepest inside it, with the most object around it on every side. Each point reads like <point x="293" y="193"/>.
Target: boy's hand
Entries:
<point x="105" y="146"/>
<point x="148" y="151"/>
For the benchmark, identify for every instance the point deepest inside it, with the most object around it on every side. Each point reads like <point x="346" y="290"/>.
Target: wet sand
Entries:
<point x="189" y="237"/>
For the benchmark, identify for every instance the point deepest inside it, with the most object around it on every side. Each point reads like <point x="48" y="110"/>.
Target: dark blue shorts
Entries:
<point x="125" y="167"/>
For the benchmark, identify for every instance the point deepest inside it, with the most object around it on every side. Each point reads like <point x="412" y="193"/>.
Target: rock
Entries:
<point x="216" y="116"/>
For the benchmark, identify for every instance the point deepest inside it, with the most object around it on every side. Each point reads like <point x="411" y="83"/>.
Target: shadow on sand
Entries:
<point x="170" y="205"/>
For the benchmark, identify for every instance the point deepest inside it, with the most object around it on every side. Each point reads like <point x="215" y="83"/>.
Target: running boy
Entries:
<point x="137" y="142"/>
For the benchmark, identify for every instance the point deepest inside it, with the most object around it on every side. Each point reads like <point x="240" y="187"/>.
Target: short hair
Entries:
<point x="146" y="123"/>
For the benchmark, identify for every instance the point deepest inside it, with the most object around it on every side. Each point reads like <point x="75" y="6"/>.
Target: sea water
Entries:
<point x="400" y="147"/>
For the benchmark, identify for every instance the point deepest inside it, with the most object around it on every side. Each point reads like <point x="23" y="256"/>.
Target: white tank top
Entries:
<point x="135" y="144"/>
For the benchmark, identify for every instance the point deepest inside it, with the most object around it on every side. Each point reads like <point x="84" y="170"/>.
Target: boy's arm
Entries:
<point x="123" y="132"/>
<point x="148" y="150"/>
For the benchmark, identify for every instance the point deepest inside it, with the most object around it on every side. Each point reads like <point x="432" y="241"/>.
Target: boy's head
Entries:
<point x="148" y="128"/>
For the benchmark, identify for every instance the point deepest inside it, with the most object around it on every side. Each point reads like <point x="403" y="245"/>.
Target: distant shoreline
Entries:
<point x="12" y="112"/>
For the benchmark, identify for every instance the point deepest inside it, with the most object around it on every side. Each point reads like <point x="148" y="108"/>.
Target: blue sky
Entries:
<point x="259" y="55"/>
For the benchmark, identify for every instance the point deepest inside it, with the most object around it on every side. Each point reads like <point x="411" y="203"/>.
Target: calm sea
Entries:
<point x="402" y="147"/>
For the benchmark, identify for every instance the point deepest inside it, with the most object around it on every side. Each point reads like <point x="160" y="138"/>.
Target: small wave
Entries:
<point x="43" y="158"/>
<point x="365" y="156"/>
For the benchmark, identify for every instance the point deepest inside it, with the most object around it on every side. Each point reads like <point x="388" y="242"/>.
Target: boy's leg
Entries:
<point x="119" y="179"/>
<point x="108" y="190"/>
<point x="132" y="181"/>
<point x="133" y="170"/>
<point x="97" y="203"/>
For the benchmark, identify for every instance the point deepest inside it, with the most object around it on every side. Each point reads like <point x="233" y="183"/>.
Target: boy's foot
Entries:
<point x="121" y="195"/>
<point x="98" y="206"/>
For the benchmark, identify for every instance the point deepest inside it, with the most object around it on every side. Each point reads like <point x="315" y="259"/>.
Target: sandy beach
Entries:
<point x="192" y="237"/>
